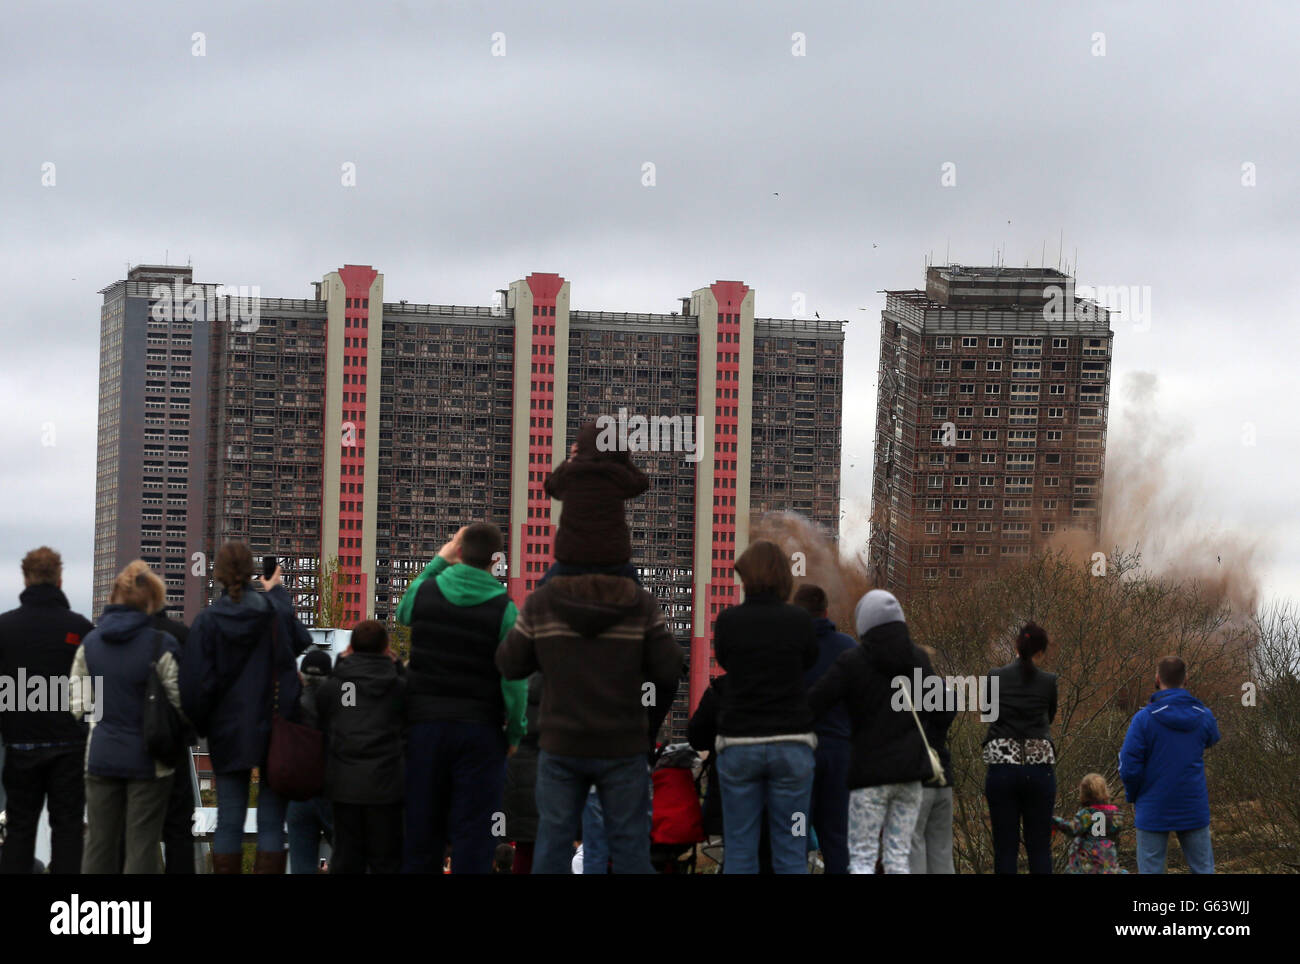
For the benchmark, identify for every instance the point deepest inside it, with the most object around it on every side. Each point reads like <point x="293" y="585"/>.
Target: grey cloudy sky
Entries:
<point x="473" y="170"/>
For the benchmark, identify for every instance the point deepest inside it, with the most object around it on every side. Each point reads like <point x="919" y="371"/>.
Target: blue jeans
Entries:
<point x="1153" y="849"/>
<point x="309" y="820"/>
<point x="777" y="777"/>
<point x="595" y="848"/>
<point x="232" y="806"/>
<point x="562" y="786"/>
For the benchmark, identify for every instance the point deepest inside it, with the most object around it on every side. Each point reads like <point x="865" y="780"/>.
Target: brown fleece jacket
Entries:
<point x="597" y="640"/>
<point x="592" y="485"/>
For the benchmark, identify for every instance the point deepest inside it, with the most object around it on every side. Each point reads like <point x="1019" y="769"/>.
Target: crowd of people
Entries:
<point x="525" y="740"/>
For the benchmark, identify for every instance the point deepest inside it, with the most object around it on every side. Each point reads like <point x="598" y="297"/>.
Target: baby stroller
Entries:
<point x="677" y="823"/>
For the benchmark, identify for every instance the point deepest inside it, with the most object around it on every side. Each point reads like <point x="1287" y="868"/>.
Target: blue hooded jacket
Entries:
<point x="830" y="643"/>
<point x="119" y="651"/>
<point x="1161" y="762"/>
<point x="231" y="662"/>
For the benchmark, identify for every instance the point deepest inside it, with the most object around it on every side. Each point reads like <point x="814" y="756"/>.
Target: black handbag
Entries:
<point x="164" y="732"/>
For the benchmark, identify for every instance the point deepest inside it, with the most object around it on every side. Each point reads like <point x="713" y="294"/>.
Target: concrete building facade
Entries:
<point x="990" y="424"/>
<point x="344" y="427"/>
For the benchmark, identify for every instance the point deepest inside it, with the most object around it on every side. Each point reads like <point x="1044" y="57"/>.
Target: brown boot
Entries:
<point x="270" y="863"/>
<point x="227" y="863"/>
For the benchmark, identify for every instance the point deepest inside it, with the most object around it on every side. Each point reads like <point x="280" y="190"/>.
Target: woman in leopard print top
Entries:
<point x="1020" y="783"/>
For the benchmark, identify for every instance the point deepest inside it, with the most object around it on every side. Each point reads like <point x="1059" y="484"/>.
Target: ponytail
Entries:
<point x="1031" y="640"/>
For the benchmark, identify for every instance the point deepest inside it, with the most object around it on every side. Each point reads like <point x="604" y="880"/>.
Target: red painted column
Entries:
<point x="357" y="280"/>
<point x="537" y="531"/>
<point x="721" y="591"/>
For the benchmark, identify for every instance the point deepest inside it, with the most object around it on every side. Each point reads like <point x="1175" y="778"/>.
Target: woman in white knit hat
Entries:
<point x="889" y="759"/>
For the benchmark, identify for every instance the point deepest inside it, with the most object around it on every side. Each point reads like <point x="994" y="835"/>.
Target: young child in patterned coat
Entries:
<point x="1095" y="828"/>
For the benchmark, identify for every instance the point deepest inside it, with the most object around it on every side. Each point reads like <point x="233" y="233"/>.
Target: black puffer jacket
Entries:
<point x="887" y="745"/>
<point x="521" y="773"/>
<point x="361" y="709"/>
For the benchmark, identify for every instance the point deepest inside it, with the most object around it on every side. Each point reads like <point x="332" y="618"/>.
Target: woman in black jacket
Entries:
<point x="765" y="728"/>
<point x="1020" y="783"/>
<point x="888" y="760"/>
<point x="239" y="649"/>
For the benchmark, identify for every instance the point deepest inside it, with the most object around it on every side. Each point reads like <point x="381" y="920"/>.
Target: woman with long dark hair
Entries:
<point x="765" y="736"/>
<point x="239" y="649"/>
<point x="1020" y="783"/>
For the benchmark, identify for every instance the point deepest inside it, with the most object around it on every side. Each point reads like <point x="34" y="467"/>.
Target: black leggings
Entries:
<point x="1019" y="793"/>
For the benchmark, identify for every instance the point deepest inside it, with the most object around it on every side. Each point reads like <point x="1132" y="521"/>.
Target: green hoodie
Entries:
<point x="467" y="586"/>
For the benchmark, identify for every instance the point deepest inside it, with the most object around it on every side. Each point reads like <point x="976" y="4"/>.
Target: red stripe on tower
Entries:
<point x="722" y="590"/>
<point x="352" y="581"/>
<point x="537" y="531"/>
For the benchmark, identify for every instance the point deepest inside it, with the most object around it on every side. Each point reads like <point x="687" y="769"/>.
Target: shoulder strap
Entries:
<point x="924" y="740"/>
<point x="157" y="647"/>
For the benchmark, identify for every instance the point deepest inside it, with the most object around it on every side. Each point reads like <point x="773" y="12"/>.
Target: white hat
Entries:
<point x="875" y="609"/>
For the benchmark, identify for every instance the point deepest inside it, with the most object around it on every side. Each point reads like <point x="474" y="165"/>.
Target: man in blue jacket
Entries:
<point x="830" y="795"/>
<point x="1163" y="771"/>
